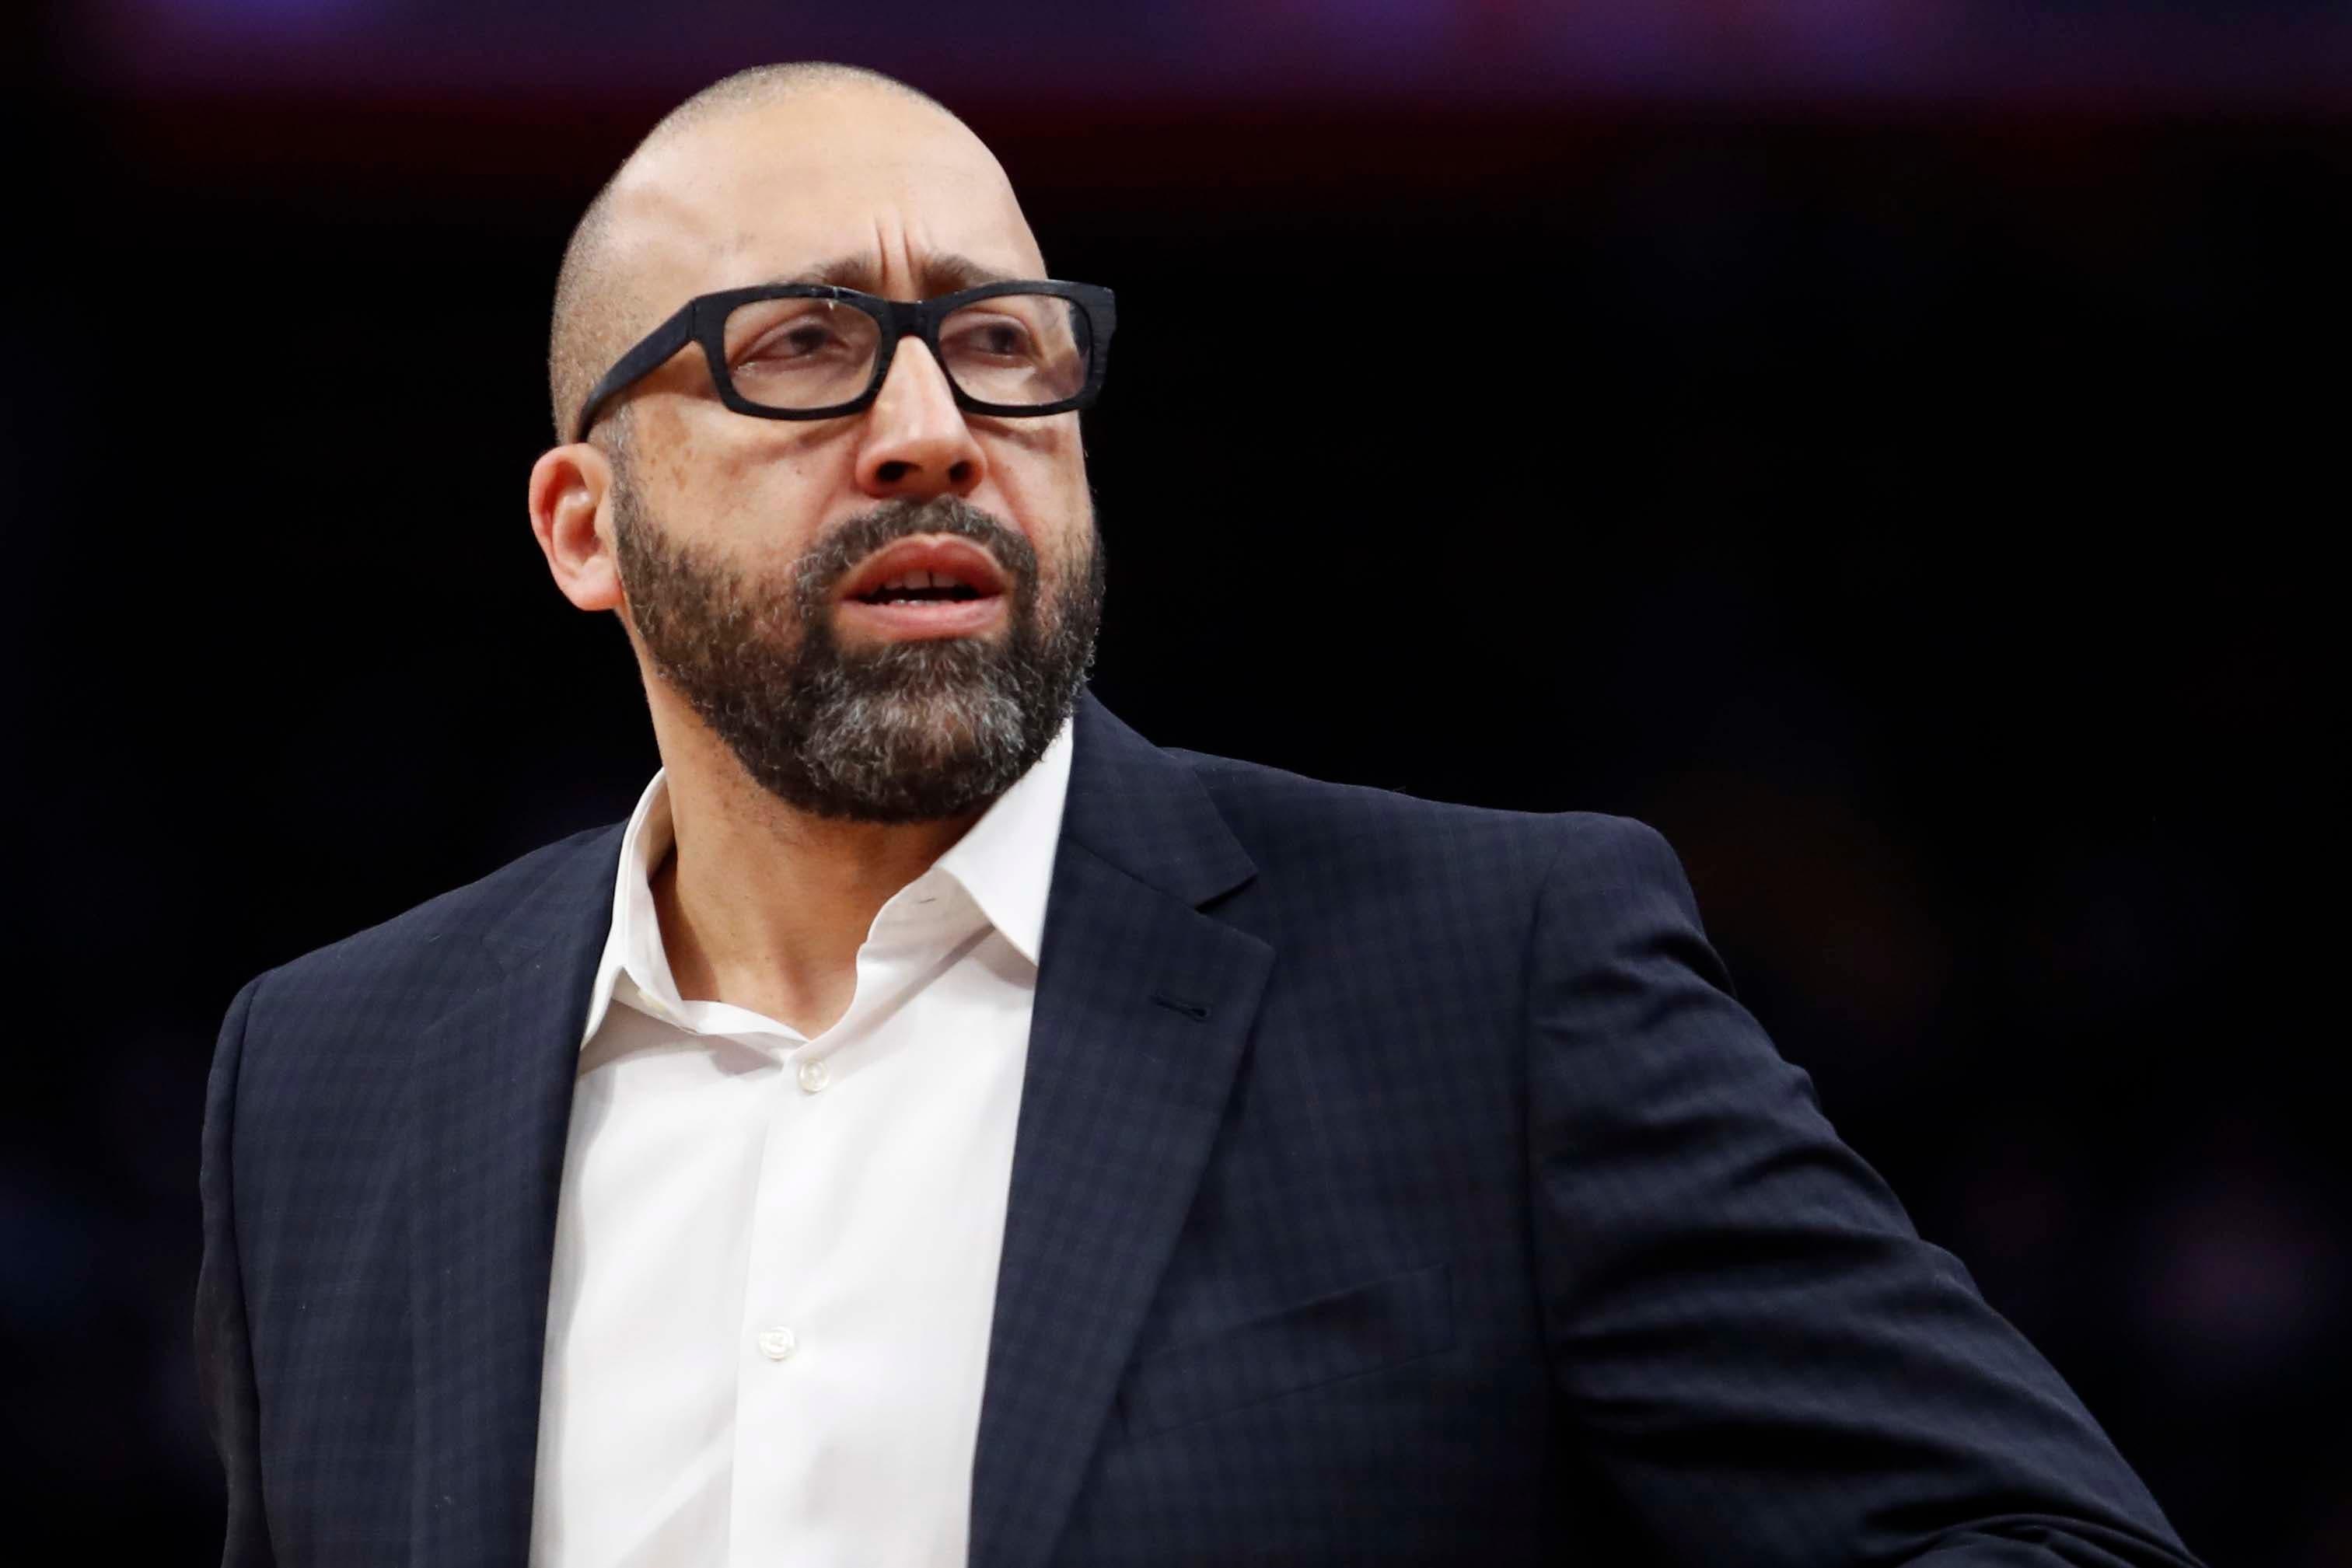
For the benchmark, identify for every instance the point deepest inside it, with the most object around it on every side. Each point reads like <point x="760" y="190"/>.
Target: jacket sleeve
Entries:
<point x="1751" y="1346"/>
<point x="223" y="1353"/>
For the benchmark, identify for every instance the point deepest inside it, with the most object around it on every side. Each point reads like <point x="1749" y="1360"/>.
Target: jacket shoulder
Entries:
<point x="1282" y="817"/>
<point x="443" y="938"/>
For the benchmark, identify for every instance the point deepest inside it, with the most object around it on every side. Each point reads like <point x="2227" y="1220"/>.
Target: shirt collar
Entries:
<point x="1005" y="864"/>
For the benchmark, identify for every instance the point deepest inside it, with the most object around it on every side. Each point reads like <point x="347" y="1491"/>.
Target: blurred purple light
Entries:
<point x="2284" y="53"/>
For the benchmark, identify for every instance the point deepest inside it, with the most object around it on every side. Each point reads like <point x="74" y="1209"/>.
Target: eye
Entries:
<point x="995" y="337"/>
<point x="804" y="341"/>
<point x="796" y="338"/>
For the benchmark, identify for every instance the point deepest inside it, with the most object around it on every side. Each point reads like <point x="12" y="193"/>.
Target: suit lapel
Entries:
<point x="494" y="1098"/>
<point x="1143" y="1012"/>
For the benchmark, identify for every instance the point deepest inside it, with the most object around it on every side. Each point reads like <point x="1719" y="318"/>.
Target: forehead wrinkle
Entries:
<point x="675" y="226"/>
<point x="935" y="274"/>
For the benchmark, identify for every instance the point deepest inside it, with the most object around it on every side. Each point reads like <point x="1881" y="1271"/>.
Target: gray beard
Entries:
<point x="905" y="732"/>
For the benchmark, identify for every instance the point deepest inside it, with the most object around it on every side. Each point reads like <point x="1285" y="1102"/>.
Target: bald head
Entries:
<point x="672" y="192"/>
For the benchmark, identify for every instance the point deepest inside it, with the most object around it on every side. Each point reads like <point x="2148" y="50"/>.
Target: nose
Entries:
<point x="915" y="444"/>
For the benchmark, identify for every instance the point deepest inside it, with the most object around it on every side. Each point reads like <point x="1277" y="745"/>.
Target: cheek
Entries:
<point x="1044" y="485"/>
<point x="759" y="492"/>
<point x="667" y="444"/>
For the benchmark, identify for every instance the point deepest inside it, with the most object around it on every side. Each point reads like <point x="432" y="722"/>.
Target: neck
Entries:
<point x="763" y="906"/>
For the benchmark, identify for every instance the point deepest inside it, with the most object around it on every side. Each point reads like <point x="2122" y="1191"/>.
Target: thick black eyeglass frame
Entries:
<point x="703" y="320"/>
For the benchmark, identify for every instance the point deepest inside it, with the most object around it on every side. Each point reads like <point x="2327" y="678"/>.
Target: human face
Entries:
<point x="835" y="185"/>
<point x="744" y="546"/>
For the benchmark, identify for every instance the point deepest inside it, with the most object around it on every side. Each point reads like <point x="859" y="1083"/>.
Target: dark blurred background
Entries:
<point x="1892" y="445"/>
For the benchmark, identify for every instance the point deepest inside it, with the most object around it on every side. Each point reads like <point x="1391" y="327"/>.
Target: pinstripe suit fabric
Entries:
<point x="1394" y="1183"/>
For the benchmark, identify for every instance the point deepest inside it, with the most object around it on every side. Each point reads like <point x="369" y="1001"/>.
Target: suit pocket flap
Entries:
<point x="1288" y="1352"/>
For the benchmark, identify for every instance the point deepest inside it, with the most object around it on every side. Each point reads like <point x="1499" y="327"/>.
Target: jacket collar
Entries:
<point x="1144" y="811"/>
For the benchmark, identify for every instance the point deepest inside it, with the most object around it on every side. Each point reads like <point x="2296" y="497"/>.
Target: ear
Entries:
<point x="568" y="487"/>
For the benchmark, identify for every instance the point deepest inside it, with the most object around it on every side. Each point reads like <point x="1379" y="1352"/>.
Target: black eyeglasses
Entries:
<point x="811" y="350"/>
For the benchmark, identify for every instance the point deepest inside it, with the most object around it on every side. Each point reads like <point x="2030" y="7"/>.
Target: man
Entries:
<point x="941" y="1126"/>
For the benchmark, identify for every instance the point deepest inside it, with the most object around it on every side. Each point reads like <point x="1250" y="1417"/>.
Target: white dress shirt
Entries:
<point x="775" y="1256"/>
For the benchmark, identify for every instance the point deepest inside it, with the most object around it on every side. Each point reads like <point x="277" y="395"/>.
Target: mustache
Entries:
<point x="842" y="549"/>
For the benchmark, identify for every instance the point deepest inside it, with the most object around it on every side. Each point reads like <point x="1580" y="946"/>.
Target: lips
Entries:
<point x="928" y="586"/>
<point x="925" y="570"/>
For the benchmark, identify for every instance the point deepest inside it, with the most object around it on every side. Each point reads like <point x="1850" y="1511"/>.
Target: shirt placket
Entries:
<point x="793" y="1416"/>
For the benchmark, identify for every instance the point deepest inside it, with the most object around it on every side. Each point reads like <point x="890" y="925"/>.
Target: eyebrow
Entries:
<point x="943" y="274"/>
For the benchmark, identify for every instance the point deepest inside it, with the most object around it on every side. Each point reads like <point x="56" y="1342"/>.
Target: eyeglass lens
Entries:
<point x="1018" y="350"/>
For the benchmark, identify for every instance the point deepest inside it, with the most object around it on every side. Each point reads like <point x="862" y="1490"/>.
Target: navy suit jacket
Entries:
<point x="1394" y="1183"/>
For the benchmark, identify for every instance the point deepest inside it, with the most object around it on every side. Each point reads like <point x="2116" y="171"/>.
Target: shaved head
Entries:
<point x="597" y="314"/>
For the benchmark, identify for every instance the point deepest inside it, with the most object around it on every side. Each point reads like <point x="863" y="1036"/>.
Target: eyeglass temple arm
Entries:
<point x="651" y="352"/>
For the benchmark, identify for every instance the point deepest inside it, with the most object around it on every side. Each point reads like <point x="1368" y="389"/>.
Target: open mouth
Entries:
<point x="919" y="587"/>
<point x="931" y="584"/>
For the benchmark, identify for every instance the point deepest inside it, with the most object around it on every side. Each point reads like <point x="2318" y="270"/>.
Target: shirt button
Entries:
<point x="778" y="1343"/>
<point x="815" y="1076"/>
